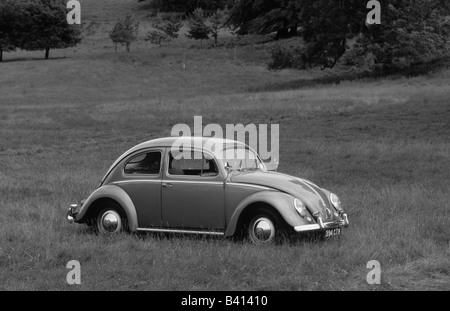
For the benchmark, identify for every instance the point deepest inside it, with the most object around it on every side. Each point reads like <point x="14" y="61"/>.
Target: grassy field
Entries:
<point x="383" y="146"/>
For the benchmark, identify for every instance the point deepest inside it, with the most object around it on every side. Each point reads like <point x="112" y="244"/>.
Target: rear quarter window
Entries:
<point x="148" y="163"/>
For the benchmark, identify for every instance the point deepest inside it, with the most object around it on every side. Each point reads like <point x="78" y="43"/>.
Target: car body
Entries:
<point x="152" y="188"/>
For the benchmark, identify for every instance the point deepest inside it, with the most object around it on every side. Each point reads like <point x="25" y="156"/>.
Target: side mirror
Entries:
<point x="272" y="165"/>
<point x="276" y="164"/>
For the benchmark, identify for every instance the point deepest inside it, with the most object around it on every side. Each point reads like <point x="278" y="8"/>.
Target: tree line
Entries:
<point x="333" y="31"/>
<point x="35" y="25"/>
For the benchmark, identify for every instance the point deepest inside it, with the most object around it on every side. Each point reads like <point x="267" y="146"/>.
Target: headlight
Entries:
<point x="335" y="201"/>
<point x="300" y="207"/>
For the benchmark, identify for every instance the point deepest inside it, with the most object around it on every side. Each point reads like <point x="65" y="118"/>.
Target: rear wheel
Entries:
<point x="263" y="228"/>
<point x="110" y="220"/>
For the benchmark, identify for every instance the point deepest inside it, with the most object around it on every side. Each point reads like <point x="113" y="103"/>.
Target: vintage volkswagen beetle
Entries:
<point x="151" y="188"/>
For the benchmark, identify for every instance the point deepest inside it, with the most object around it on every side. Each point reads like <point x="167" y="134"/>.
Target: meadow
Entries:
<point x="383" y="145"/>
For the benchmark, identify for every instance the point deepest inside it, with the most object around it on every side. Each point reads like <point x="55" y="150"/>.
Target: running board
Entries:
<point x="180" y="231"/>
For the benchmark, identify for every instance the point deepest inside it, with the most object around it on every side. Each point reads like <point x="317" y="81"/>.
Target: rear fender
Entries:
<point x="115" y="193"/>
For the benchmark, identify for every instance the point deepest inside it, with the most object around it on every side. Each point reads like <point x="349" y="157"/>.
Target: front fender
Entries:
<point x="114" y="193"/>
<point x="280" y="201"/>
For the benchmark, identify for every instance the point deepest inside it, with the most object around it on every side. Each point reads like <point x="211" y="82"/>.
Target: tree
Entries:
<point x="167" y="29"/>
<point x="198" y="30"/>
<point x="42" y="25"/>
<point x="8" y="20"/>
<point x="217" y="22"/>
<point x="124" y="32"/>
<point x="172" y="26"/>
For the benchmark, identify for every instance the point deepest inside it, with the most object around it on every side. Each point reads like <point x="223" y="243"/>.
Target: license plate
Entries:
<point x="332" y="232"/>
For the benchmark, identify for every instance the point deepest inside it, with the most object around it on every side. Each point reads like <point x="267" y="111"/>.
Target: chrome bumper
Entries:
<point x="320" y="225"/>
<point x="71" y="213"/>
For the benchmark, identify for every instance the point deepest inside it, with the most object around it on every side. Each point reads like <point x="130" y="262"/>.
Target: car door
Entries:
<point x="192" y="192"/>
<point x="142" y="174"/>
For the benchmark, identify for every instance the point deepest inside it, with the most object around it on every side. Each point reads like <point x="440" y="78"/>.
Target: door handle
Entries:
<point x="166" y="185"/>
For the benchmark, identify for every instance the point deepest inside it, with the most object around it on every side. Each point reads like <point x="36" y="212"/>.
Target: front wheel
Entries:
<point x="263" y="228"/>
<point x="110" y="221"/>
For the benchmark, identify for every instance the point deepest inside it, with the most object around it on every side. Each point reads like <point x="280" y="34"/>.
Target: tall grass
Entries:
<point x="381" y="145"/>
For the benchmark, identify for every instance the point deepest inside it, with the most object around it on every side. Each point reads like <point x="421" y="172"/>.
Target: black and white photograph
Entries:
<point x="224" y="152"/>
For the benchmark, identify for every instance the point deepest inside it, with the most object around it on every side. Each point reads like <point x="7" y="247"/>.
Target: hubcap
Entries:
<point x="110" y="221"/>
<point x="263" y="229"/>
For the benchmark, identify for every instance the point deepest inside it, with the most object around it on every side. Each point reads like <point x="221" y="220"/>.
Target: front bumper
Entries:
<point x="72" y="213"/>
<point x="320" y="225"/>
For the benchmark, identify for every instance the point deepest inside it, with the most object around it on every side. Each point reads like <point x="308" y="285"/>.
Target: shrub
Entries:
<point x="156" y="37"/>
<point x="286" y="57"/>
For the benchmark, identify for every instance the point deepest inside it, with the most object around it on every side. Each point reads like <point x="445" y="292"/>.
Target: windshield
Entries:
<point x="242" y="159"/>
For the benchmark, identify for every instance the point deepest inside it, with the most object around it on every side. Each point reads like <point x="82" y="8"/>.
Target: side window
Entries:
<point x="193" y="163"/>
<point x="144" y="163"/>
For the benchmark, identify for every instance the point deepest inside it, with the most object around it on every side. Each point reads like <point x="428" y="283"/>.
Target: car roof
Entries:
<point x="169" y="141"/>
